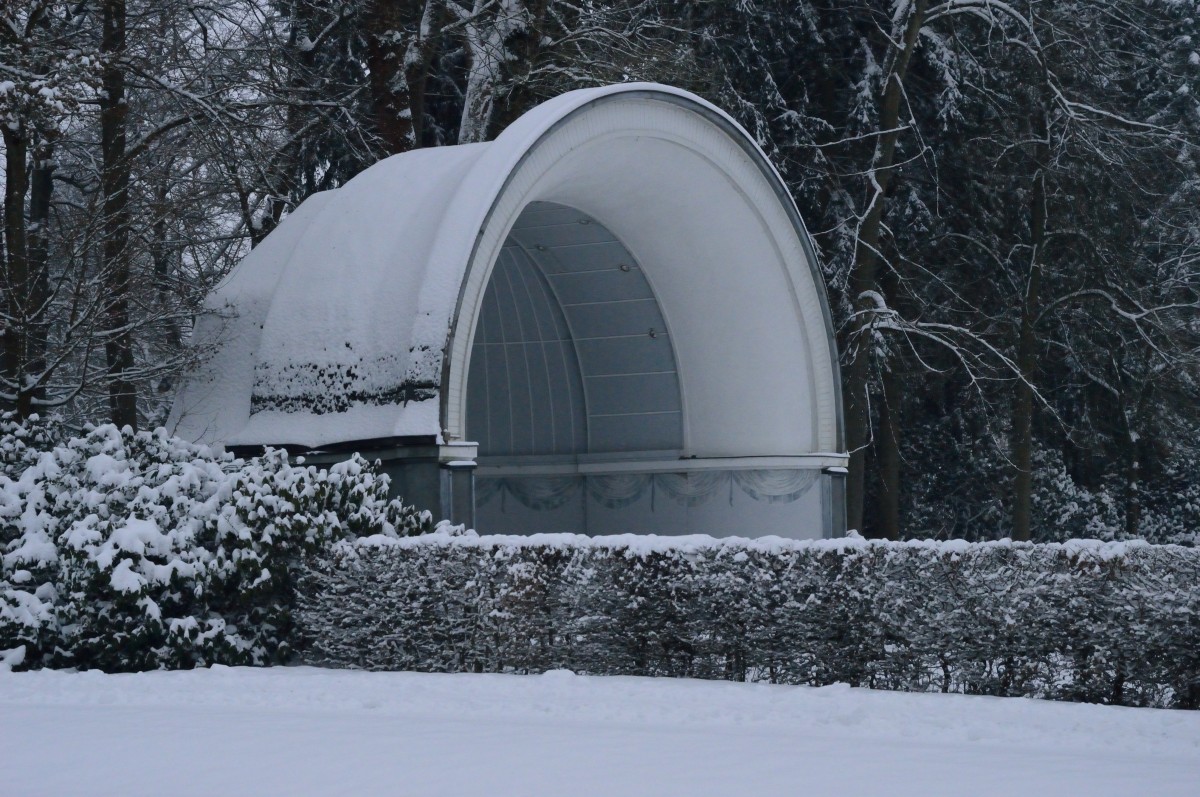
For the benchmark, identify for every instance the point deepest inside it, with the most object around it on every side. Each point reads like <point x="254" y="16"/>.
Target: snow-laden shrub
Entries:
<point x="1064" y="510"/>
<point x="22" y="442"/>
<point x="1115" y="622"/>
<point x="1171" y="511"/>
<point x="963" y="489"/>
<point x="960" y="489"/>
<point x="131" y="551"/>
<point x="273" y="515"/>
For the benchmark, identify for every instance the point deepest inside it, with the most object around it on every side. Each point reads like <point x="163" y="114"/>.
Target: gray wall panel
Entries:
<point x="634" y="355"/>
<point x="632" y="394"/>
<point x="600" y="286"/>
<point x="630" y="433"/>
<point x="563" y="361"/>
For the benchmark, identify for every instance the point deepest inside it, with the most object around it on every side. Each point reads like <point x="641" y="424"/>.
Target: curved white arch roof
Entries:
<point x="354" y="320"/>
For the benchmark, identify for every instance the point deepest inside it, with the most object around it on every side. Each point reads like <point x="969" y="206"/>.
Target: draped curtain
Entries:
<point x="619" y="490"/>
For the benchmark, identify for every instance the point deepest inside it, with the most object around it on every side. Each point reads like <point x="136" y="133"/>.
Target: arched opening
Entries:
<point x="572" y="355"/>
<point x="640" y="343"/>
<point x="718" y="241"/>
<point x="575" y="398"/>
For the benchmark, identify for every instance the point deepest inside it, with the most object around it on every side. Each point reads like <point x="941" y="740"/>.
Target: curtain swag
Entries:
<point x="616" y="491"/>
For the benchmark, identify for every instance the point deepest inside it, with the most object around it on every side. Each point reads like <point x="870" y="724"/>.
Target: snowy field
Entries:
<point x="303" y="731"/>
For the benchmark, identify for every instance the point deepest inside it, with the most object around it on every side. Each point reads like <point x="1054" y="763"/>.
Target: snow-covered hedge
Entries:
<point x="124" y="551"/>
<point x="1086" y="621"/>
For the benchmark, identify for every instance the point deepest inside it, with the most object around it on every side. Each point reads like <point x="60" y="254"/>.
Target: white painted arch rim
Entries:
<point x="523" y="165"/>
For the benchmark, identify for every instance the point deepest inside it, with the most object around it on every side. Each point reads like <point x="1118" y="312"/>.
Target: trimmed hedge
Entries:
<point x="1085" y="621"/>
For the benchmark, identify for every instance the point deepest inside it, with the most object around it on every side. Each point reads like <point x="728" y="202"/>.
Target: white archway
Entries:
<point x="352" y="326"/>
<point x="703" y="211"/>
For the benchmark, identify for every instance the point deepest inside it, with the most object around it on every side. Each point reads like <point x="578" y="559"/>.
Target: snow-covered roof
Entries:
<point x="353" y="320"/>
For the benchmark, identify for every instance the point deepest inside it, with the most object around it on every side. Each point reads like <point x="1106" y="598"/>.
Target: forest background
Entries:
<point x="1005" y="195"/>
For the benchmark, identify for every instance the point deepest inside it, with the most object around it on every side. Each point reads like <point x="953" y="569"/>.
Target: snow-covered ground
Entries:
<point x="304" y="731"/>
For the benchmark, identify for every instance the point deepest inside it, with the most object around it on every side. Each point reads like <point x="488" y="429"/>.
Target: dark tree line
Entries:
<point x="1006" y="196"/>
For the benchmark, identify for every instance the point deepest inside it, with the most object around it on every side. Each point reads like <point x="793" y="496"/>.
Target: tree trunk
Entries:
<point x="526" y="47"/>
<point x="114" y="184"/>
<point x="863" y="281"/>
<point x="16" y="265"/>
<point x="888" y="444"/>
<point x="486" y="36"/>
<point x="1133" y="468"/>
<point x="282" y="183"/>
<point x="398" y="75"/>
<point x="1133" y="489"/>
<point x="162" y="254"/>
<point x="40" y="193"/>
<point x="1027" y="360"/>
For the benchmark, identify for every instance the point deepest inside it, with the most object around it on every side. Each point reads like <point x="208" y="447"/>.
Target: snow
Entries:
<point x="690" y="544"/>
<point x="322" y="330"/>
<point x="125" y="580"/>
<point x="215" y="401"/>
<point x="346" y="324"/>
<point x="306" y="731"/>
<point x="367" y="421"/>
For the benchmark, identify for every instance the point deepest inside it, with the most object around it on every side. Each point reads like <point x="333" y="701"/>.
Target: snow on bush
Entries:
<point x="1083" y="620"/>
<point x="134" y="551"/>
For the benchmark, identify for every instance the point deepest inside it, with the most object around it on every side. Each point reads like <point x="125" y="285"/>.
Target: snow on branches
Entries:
<point x="134" y="551"/>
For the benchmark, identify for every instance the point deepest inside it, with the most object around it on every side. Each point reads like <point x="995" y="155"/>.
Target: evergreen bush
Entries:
<point x="132" y="551"/>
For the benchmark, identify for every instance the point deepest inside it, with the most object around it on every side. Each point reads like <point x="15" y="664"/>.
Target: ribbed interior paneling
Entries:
<point x="571" y="353"/>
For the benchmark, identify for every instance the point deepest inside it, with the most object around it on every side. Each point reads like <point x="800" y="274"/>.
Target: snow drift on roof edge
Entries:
<point x="335" y="328"/>
<point x="315" y="325"/>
